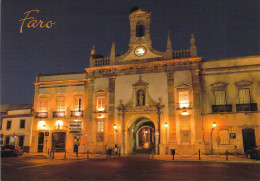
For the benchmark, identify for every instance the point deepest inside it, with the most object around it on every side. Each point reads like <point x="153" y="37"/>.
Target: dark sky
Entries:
<point x="222" y="28"/>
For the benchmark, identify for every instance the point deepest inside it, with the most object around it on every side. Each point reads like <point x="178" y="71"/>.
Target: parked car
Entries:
<point x="254" y="153"/>
<point x="11" y="150"/>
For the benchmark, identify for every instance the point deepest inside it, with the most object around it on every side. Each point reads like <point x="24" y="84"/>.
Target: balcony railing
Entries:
<point x="76" y="113"/>
<point x="102" y="61"/>
<point x="181" y="53"/>
<point x="41" y="114"/>
<point x="222" y="108"/>
<point x="246" y="107"/>
<point x="184" y="105"/>
<point x="59" y="114"/>
<point x="102" y="109"/>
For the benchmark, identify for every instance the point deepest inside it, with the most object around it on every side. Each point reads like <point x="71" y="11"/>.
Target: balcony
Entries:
<point x="41" y="115"/>
<point x="59" y="114"/>
<point x="222" y="108"/>
<point x="102" y="109"/>
<point x="246" y="107"/>
<point x="76" y="113"/>
<point x="184" y="106"/>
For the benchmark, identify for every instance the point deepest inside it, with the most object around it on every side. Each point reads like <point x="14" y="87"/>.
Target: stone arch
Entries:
<point x="135" y="124"/>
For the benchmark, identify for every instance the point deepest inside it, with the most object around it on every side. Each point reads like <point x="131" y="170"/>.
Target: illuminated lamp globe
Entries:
<point x="184" y="113"/>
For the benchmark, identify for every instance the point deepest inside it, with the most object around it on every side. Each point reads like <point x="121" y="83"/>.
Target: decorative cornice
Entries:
<point x="61" y="81"/>
<point x="144" y="64"/>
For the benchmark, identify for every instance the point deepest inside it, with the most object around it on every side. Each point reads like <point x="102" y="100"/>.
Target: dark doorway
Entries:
<point x="58" y="141"/>
<point x="248" y="139"/>
<point x="21" y="140"/>
<point x="40" y="142"/>
<point x="143" y="136"/>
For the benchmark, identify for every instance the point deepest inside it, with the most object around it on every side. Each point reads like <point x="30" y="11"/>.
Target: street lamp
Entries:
<point x="116" y="130"/>
<point x="214" y="125"/>
<point x="166" y="126"/>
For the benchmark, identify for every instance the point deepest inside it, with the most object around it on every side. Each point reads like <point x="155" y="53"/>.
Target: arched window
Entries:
<point x="140" y="96"/>
<point x="140" y="30"/>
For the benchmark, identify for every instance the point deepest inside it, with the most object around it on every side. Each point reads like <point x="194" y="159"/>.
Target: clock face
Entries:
<point x="139" y="51"/>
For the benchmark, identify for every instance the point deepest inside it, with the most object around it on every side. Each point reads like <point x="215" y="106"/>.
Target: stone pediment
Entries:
<point x="243" y="83"/>
<point x="140" y="82"/>
<point x="101" y="91"/>
<point x="184" y="85"/>
<point x="139" y="12"/>
<point x="219" y="85"/>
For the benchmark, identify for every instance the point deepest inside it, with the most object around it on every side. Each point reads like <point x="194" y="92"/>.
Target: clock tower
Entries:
<point x="140" y="27"/>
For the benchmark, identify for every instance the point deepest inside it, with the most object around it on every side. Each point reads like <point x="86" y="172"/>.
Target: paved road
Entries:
<point x="135" y="167"/>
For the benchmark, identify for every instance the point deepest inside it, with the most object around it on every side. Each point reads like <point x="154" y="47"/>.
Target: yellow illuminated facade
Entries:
<point x="128" y="99"/>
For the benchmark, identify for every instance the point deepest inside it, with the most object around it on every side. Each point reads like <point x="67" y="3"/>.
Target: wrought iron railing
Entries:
<point x="184" y="105"/>
<point x="59" y="114"/>
<point x="222" y="108"/>
<point x="76" y="113"/>
<point x="41" y="114"/>
<point x="246" y="107"/>
<point x="102" y="109"/>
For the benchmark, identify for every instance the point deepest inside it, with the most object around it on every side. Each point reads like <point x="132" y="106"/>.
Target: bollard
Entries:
<point x="199" y="154"/>
<point x="119" y="151"/>
<point x="87" y="154"/>
<point x="173" y="153"/>
<point x="53" y="154"/>
<point x="226" y="155"/>
<point x="65" y="155"/>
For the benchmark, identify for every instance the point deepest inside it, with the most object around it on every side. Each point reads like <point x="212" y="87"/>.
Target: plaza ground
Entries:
<point x="133" y="167"/>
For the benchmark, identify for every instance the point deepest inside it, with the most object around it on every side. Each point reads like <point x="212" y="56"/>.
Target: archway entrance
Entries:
<point x="143" y="139"/>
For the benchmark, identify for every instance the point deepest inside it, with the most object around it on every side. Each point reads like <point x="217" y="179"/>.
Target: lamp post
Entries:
<point x="214" y="125"/>
<point x="116" y="130"/>
<point x="166" y="126"/>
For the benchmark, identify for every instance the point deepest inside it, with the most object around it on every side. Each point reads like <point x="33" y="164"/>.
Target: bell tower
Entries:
<point x="140" y="27"/>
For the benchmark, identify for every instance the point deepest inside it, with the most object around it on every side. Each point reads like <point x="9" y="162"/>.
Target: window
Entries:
<point x="220" y="97"/>
<point x="60" y="103"/>
<point x="244" y="96"/>
<point x="101" y="103"/>
<point x="100" y="126"/>
<point x="140" y="30"/>
<point x="43" y="104"/>
<point x="8" y="125"/>
<point x="7" y="139"/>
<point x="22" y="123"/>
<point x="100" y="131"/>
<point x="78" y="103"/>
<point x="21" y="140"/>
<point x="223" y="137"/>
<point x="184" y="99"/>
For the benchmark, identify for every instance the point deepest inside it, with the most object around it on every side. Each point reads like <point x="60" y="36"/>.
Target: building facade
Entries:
<point x="149" y="99"/>
<point x="17" y="127"/>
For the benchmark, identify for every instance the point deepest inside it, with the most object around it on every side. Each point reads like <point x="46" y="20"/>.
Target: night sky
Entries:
<point x="222" y="29"/>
